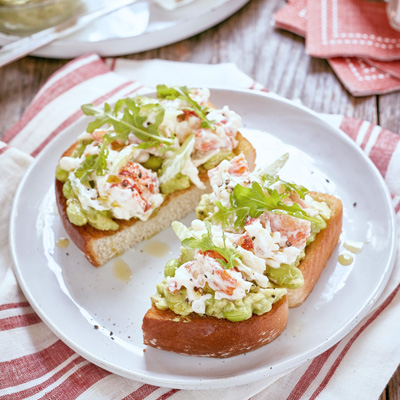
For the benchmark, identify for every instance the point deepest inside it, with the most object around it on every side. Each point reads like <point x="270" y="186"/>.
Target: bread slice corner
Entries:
<point x="206" y="336"/>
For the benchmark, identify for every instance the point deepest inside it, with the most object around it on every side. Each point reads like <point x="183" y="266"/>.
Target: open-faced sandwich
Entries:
<point x="140" y="165"/>
<point x="259" y="245"/>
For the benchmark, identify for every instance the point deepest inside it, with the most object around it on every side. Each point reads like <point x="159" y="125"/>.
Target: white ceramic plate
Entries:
<point x="71" y="296"/>
<point x="140" y="27"/>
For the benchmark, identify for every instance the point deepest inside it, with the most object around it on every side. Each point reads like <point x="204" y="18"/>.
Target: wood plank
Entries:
<point x="389" y="111"/>
<point x="19" y="82"/>
<point x="393" y="389"/>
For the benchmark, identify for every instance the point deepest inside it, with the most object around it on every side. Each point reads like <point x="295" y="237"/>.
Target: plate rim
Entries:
<point x="249" y="376"/>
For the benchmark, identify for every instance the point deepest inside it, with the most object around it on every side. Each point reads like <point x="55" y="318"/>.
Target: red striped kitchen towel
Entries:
<point x="362" y="76"/>
<point x="34" y="363"/>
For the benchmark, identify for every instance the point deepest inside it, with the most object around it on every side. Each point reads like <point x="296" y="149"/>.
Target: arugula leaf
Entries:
<point x="183" y="93"/>
<point x="167" y="92"/>
<point x="253" y="198"/>
<point x="98" y="163"/>
<point x="131" y="121"/>
<point x="296" y="211"/>
<point x="301" y="190"/>
<point x="269" y="180"/>
<point x="257" y="202"/>
<point x="226" y="216"/>
<point x="253" y="201"/>
<point x="206" y="243"/>
<point x="269" y="176"/>
<point x="86" y="168"/>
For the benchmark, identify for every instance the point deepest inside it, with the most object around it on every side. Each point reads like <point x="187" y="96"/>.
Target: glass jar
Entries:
<point x="24" y="17"/>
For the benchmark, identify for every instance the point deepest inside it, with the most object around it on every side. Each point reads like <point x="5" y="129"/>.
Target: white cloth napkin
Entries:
<point x="358" y="367"/>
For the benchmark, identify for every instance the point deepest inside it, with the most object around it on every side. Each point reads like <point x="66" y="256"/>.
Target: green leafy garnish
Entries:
<point x="127" y="117"/>
<point x="183" y="92"/>
<point x="253" y="201"/>
<point x="229" y="256"/>
<point x="93" y="163"/>
<point x="226" y="216"/>
<point x="269" y="176"/>
<point x="269" y="180"/>
<point x="257" y="202"/>
<point x="97" y="163"/>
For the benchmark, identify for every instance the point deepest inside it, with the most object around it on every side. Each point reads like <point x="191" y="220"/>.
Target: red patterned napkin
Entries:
<point x="390" y="67"/>
<point x="35" y="364"/>
<point x="351" y="28"/>
<point x="293" y="17"/>
<point x="362" y="79"/>
<point x="361" y="76"/>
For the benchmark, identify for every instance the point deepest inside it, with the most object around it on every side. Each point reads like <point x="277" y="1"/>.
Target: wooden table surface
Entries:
<point x="275" y="58"/>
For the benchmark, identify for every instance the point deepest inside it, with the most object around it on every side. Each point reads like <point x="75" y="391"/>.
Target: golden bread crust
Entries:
<point x="206" y="336"/>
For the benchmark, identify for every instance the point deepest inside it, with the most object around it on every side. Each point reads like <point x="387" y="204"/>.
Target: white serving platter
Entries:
<point x="71" y="296"/>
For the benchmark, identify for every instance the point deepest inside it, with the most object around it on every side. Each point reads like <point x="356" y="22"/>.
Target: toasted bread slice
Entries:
<point x="206" y="336"/>
<point x="100" y="246"/>
<point x="319" y="251"/>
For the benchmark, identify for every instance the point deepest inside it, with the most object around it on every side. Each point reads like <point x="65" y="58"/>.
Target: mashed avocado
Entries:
<point x="61" y="174"/>
<point x="204" y="208"/>
<point x="172" y="265"/>
<point x="215" y="160"/>
<point x="78" y="216"/>
<point x="75" y="213"/>
<point x="178" y="182"/>
<point x="257" y="301"/>
<point x="98" y="219"/>
<point x="186" y="255"/>
<point x="288" y="276"/>
<point x="154" y="163"/>
<point x="101" y="220"/>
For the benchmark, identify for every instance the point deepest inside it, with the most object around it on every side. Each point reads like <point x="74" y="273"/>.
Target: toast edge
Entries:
<point x="206" y="336"/>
